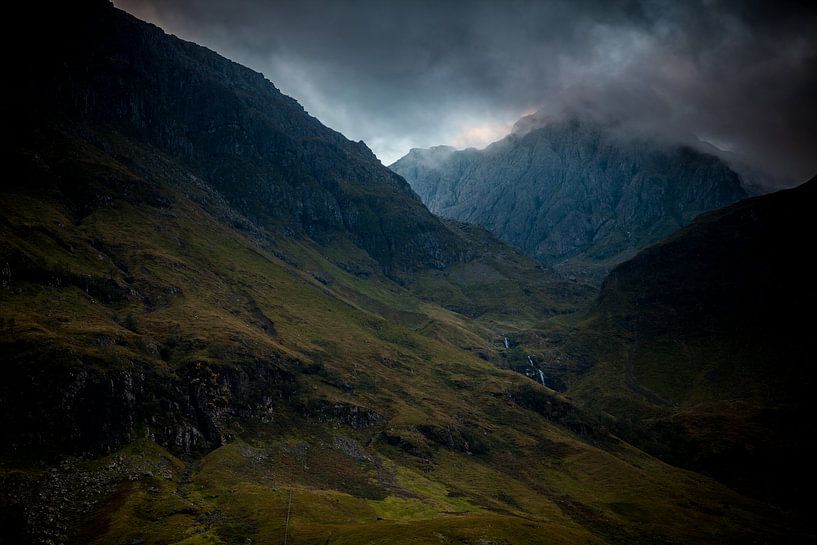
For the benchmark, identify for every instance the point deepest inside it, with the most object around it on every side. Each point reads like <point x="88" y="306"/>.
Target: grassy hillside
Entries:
<point x="173" y="373"/>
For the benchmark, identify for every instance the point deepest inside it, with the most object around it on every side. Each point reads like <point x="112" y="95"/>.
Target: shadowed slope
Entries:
<point x="139" y="321"/>
<point x="709" y="335"/>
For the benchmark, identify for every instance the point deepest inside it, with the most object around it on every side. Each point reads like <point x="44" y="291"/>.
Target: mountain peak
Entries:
<point x="573" y="192"/>
<point x="531" y="122"/>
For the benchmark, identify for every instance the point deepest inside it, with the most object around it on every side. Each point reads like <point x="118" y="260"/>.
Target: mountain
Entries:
<point x="221" y="322"/>
<point x="233" y="128"/>
<point x="700" y="349"/>
<point x="576" y="194"/>
<point x="278" y="167"/>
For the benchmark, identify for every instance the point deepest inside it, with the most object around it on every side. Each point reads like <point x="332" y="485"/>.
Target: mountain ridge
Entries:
<point x="572" y="193"/>
<point x="237" y="131"/>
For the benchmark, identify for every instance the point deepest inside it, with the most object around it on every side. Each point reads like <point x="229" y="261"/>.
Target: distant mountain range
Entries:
<point x="573" y="193"/>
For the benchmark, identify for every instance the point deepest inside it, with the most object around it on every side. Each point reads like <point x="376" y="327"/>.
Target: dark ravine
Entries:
<point x="574" y="193"/>
<point x="83" y="407"/>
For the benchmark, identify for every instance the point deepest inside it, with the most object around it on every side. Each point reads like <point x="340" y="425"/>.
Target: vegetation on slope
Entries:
<point x="224" y="368"/>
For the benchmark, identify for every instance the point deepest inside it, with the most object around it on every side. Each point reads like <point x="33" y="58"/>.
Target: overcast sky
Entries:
<point x="403" y="74"/>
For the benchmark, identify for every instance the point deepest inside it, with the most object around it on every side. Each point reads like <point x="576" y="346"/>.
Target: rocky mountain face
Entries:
<point x="272" y="163"/>
<point x="232" y="128"/>
<point x="574" y="194"/>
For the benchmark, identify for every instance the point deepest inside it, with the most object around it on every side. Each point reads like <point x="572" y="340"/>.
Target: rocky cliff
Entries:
<point x="574" y="193"/>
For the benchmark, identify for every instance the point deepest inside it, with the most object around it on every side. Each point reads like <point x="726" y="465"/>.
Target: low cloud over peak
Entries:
<point x="416" y="73"/>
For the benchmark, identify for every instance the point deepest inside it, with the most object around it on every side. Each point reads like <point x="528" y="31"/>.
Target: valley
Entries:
<point x="224" y="323"/>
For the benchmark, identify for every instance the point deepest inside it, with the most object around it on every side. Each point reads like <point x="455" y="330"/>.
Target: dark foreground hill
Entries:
<point x="224" y="323"/>
<point x="574" y="193"/>
<point x="701" y="348"/>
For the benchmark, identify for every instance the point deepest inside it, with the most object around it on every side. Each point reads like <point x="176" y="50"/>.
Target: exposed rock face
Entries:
<point x="259" y="148"/>
<point x="81" y="407"/>
<point x="572" y="193"/>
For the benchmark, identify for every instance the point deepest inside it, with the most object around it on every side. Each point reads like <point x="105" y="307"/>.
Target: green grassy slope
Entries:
<point x="173" y="373"/>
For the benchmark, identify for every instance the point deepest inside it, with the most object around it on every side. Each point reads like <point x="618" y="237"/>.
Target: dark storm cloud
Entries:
<point x="401" y="74"/>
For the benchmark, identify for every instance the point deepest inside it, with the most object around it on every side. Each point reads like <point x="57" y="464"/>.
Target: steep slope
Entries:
<point x="574" y="193"/>
<point x="182" y="365"/>
<point x="701" y="347"/>
<point x="170" y="378"/>
<point x="232" y="128"/>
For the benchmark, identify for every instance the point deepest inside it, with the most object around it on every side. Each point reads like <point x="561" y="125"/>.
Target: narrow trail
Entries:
<point x="289" y="510"/>
<point x="206" y="515"/>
